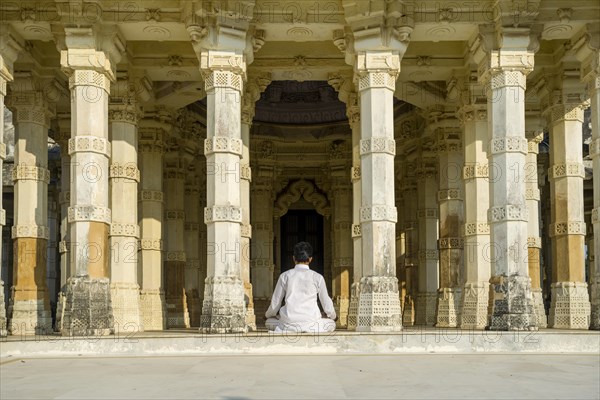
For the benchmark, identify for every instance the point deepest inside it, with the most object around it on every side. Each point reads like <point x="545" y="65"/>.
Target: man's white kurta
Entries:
<point x="300" y="287"/>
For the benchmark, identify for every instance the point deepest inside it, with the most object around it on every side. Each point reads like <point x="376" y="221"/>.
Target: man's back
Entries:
<point x="301" y="287"/>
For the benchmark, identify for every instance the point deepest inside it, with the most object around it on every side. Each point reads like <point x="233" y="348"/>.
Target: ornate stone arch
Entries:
<point x="305" y="189"/>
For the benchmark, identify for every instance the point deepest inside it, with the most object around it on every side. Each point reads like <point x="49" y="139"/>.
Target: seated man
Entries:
<point x="300" y="287"/>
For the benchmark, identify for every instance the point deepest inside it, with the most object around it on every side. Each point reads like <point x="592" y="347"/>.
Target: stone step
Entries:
<point x="409" y="341"/>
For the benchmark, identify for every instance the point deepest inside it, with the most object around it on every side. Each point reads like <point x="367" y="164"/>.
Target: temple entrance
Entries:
<point x="302" y="225"/>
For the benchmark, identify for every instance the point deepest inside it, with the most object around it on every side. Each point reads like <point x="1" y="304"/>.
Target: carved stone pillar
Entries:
<point x="476" y="231"/>
<point x="88" y="305"/>
<point x="353" y="113"/>
<point x="570" y="306"/>
<point x="535" y="134"/>
<point x="379" y="304"/>
<point x="411" y="243"/>
<point x="175" y="257"/>
<point x="192" y="241"/>
<point x="450" y="244"/>
<point x="150" y="267"/>
<point x="342" y="254"/>
<point x="261" y="252"/>
<point x="224" y="308"/>
<point x="428" y="219"/>
<point x="591" y="75"/>
<point x="29" y="310"/>
<point x="124" y="234"/>
<point x="9" y="50"/>
<point x="64" y="199"/>
<point x="505" y="70"/>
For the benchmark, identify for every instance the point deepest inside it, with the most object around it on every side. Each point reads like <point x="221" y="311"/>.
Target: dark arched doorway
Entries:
<point x="297" y="226"/>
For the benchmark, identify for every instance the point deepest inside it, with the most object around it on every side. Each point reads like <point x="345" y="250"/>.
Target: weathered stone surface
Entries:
<point x="223" y="309"/>
<point x="511" y="304"/>
<point x="538" y="308"/>
<point x="426" y="308"/>
<point x="448" y="307"/>
<point x="125" y="300"/>
<point x="408" y="312"/>
<point x="353" y="305"/>
<point x="3" y="331"/>
<point x="570" y="307"/>
<point x="88" y="310"/>
<point x="379" y="305"/>
<point x="475" y="302"/>
<point x="153" y="310"/>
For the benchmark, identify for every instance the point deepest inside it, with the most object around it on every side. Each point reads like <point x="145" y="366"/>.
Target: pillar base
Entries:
<point x="177" y="311"/>
<point x="408" y="313"/>
<point x="475" y="301"/>
<point x="250" y="317"/>
<point x="30" y="317"/>
<point x="261" y="304"/>
<point x="570" y="307"/>
<point x="538" y="308"/>
<point x="125" y="299"/>
<point x="3" y="330"/>
<point x="447" y="308"/>
<point x="595" y="304"/>
<point x="153" y="310"/>
<point x="511" y="304"/>
<point x="88" y="309"/>
<point x="341" y="305"/>
<point x="223" y="309"/>
<point x="353" y="306"/>
<point x="379" y="305"/>
<point x="194" y="306"/>
<point x="425" y="310"/>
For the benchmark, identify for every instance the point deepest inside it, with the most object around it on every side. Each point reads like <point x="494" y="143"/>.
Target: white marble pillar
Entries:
<point x="245" y="177"/>
<point x="192" y="241"/>
<point x="124" y="176"/>
<point x="64" y="199"/>
<point x="353" y="113"/>
<point x="379" y="304"/>
<point x="570" y="305"/>
<point x="90" y="72"/>
<point x="476" y="230"/>
<point x="428" y="223"/>
<point x="342" y="245"/>
<point x="411" y="243"/>
<point x="591" y="75"/>
<point x="224" y="309"/>
<point x="9" y="51"/>
<point x="535" y="134"/>
<point x="150" y="202"/>
<point x="505" y="71"/>
<point x="451" y="217"/>
<point x="30" y="307"/>
<point x="175" y="256"/>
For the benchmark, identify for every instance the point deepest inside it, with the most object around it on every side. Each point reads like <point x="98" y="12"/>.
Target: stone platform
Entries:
<point x="408" y="341"/>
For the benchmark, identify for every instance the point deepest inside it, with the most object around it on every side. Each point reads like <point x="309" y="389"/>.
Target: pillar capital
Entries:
<point x="377" y="69"/>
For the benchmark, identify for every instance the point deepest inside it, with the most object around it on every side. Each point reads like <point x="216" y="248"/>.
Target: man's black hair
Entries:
<point x="302" y="251"/>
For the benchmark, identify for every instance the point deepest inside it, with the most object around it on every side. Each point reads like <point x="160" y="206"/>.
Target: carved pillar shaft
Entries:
<point x="378" y="214"/>
<point x="505" y="71"/>
<point x="175" y="256"/>
<point x="353" y="112"/>
<point x="342" y="262"/>
<point x="570" y="307"/>
<point x="411" y="243"/>
<point x="476" y="230"/>
<point x="124" y="229"/>
<point x="246" y="228"/>
<point x="89" y="215"/>
<point x="5" y="76"/>
<point x="534" y="242"/>
<point x="192" y="249"/>
<point x="428" y="223"/>
<point x="150" y="201"/>
<point x="224" y="308"/>
<point x="450" y="244"/>
<point x="594" y="88"/>
<point x="30" y="308"/>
